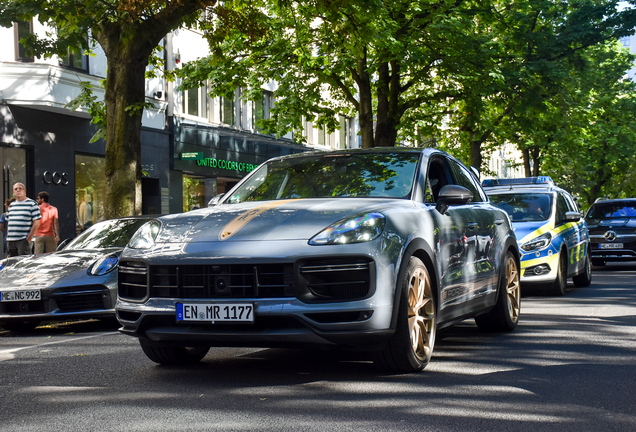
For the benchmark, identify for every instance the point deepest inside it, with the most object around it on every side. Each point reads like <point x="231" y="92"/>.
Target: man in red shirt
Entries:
<point x="48" y="234"/>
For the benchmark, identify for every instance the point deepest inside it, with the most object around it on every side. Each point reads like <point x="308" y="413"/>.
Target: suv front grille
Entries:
<point x="132" y="280"/>
<point x="222" y="281"/>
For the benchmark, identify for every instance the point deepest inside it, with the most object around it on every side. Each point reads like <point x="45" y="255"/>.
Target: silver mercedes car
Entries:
<point x="369" y="250"/>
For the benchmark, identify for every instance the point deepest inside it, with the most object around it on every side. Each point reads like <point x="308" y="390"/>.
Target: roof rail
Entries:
<point x="540" y="180"/>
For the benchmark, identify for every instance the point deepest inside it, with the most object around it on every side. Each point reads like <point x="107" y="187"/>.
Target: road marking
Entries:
<point x="8" y="353"/>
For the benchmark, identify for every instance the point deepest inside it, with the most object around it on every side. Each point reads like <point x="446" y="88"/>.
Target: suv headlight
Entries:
<point x="358" y="229"/>
<point x="541" y="242"/>
<point x="145" y="236"/>
<point x="104" y="265"/>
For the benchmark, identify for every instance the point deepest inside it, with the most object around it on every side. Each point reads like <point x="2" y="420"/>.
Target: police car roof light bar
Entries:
<point x="540" y="180"/>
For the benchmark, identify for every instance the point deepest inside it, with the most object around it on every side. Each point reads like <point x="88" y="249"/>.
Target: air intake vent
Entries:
<point x="338" y="280"/>
<point x="133" y="280"/>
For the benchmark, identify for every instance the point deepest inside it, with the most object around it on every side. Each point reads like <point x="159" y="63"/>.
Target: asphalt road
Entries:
<point x="569" y="366"/>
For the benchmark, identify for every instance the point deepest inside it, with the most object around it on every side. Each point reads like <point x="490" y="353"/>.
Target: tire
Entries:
<point x="505" y="315"/>
<point x="19" y="326"/>
<point x="411" y="346"/>
<point x="584" y="279"/>
<point x="167" y="355"/>
<point x="560" y="284"/>
<point x="598" y="263"/>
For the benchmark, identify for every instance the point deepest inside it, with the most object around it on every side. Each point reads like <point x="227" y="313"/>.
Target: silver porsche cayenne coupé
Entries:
<point x="361" y="249"/>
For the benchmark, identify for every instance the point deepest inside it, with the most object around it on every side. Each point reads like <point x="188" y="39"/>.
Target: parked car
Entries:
<point x="370" y="250"/>
<point x="612" y="226"/>
<point x="553" y="237"/>
<point x="78" y="281"/>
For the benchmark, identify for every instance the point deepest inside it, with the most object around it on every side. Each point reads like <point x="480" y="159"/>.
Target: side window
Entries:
<point x="438" y="175"/>
<point x="571" y="203"/>
<point x="562" y="207"/>
<point x="465" y="178"/>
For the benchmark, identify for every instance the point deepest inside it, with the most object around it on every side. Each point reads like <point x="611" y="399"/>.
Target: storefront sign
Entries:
<point x="55" y="178"/>
<point x="226" y="164"/>
<point x="192" y="156"/>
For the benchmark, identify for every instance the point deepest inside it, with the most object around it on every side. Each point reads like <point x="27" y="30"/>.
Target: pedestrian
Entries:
<point x="48" y="234"/>
<point x="4" y="222"/>
<point x="24" y="221"/>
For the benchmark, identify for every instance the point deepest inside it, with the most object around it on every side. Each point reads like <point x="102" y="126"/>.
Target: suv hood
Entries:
<point x="266" y="220"/>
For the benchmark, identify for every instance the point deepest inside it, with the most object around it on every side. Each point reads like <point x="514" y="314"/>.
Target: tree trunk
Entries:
<point x="387" y="118"/>
<point x="365" y="114"/>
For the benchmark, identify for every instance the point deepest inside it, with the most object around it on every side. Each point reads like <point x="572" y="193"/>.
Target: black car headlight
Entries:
<point x="145" y="236"/>
<point x="104" y="265"/>
<point x="358" y="229"/>
<point x="541" y="242"/>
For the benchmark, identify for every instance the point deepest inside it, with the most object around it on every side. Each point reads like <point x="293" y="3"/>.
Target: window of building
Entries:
<point x="22" y="30"/>
<point x="195" y="102"/>
<point x="90" y="190"/>
<point x="74" y="59"/>
<point x="261" y="110"/>
<point x="227" y="111"/>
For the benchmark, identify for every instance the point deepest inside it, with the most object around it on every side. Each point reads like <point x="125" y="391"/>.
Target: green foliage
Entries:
<point x="96" y="109"/>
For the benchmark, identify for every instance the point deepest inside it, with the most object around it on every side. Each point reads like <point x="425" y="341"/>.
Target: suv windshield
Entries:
<point x="614" y="209"/>
<point x="524" y="207"/>
<point x="331" y="175"/>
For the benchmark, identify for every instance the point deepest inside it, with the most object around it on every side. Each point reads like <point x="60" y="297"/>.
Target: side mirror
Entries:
<point x="214" y="201"/>
<point x="452" y="195"/>
<point x="572" y="216"/>
<point x="62" y="244"/>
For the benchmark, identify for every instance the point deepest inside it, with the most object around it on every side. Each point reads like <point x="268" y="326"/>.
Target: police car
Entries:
<point x="552" y="235"/>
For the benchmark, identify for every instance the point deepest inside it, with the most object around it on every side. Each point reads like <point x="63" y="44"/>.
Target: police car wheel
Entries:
<point x="585" y="278"/>
<point x="561" y="282"/>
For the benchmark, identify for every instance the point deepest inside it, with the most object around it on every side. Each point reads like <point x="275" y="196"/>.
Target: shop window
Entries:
<point x="22" y="30"/>
<point x="90" y="190"/>
<point x="74" y="59"/>
<point x="197" y="192"/>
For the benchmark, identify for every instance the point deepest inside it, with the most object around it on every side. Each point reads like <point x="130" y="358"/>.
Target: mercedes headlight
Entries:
<point x="104" y="265"/>
<point x="145" y="236"/>
<point x="357" y="229"/>
<point x="541" y="242"/>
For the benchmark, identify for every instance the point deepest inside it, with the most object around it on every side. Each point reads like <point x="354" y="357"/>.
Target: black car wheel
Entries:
<point x="19" y="326"/>
<point x="167" y="355"/>
<point x="505" y="315"/>
<point x="560" y="284"/>
<point x="411" y="346"/>
<point x="584" y="279"/>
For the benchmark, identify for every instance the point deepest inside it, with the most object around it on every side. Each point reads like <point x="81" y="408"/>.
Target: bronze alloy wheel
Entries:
<point x="513" y="288"/>
<point x="421" y="314"/>
<point x="504" y="316"/>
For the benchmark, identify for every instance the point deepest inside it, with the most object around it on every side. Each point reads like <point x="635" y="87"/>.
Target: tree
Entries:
<point x="377" y="59"/>
<point x="536" y="46"/>
<point x="593" y="150"/>
<point x="128" y="31"/>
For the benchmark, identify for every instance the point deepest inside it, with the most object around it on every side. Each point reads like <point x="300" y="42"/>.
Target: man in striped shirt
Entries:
<point x="24" y="220"/>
